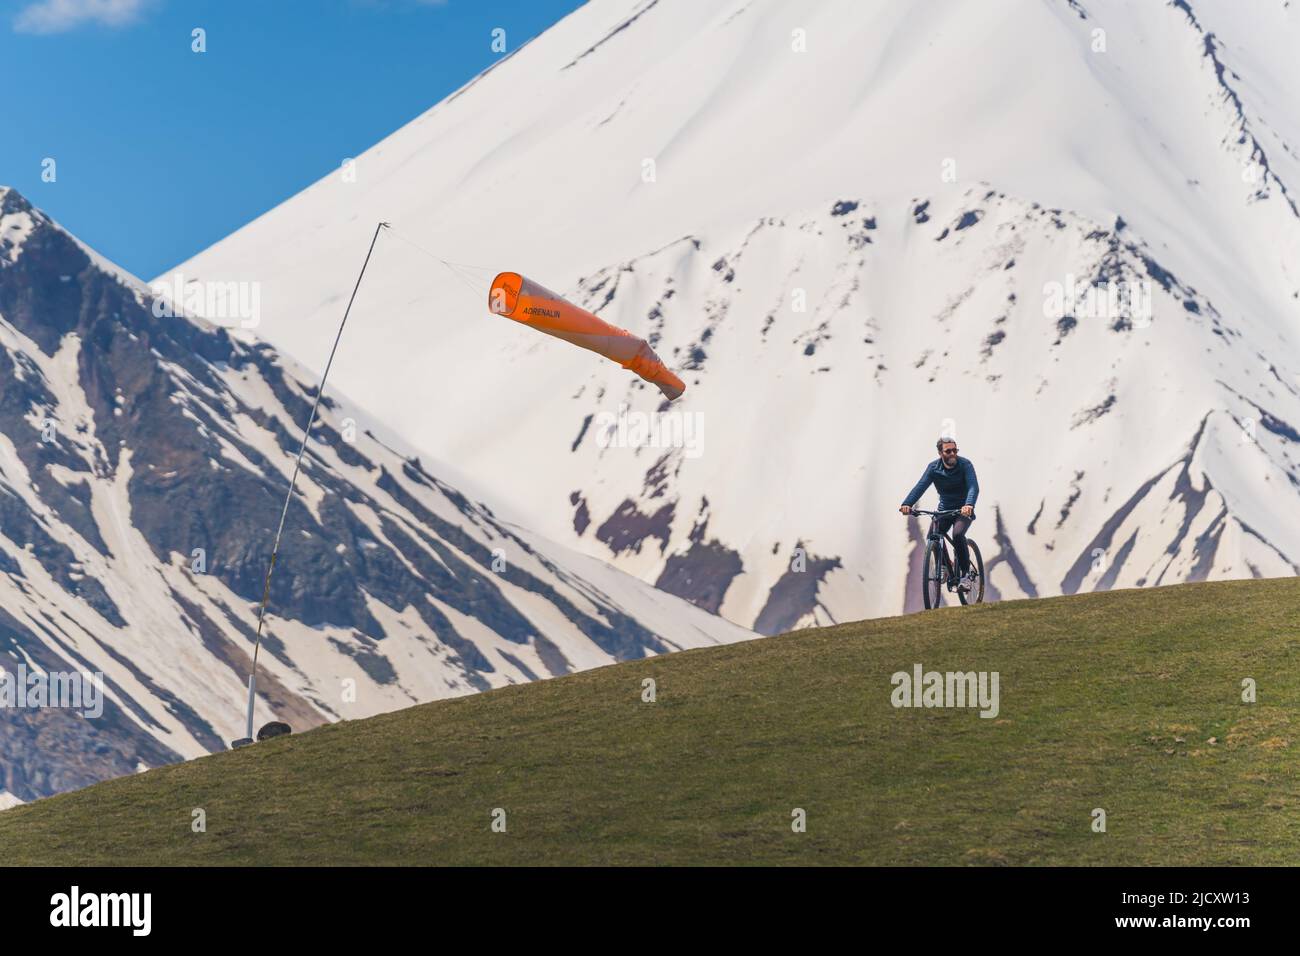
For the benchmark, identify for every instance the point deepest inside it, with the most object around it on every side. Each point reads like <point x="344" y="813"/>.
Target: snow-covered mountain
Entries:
<point x="852" y="225"/>
<point x="143" y="464"/>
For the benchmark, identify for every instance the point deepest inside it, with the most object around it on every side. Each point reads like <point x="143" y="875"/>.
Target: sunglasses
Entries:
<point x="948" y="451"/>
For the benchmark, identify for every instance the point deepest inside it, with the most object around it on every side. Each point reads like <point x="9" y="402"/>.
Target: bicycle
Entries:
<point x="940" y="572"/>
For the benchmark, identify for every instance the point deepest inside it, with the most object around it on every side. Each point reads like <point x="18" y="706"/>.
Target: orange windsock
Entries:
<point x="528" y="303"/>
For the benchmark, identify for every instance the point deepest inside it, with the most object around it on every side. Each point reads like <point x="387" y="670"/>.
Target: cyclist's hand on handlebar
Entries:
<point x="905" y="509"/>
<point x="967" y="511"/>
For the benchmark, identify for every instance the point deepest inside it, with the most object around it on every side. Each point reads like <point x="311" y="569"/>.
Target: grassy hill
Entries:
<point x="1129" y="701"/>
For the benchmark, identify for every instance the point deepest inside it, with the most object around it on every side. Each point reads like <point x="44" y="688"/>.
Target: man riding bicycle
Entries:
<point x="954" y="479"/>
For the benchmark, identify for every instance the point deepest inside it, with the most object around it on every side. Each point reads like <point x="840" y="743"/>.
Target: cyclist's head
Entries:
<point x="947" y="448"/>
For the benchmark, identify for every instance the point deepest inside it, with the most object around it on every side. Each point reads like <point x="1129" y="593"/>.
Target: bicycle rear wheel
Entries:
<point x="976" y="593"/>
<point x="935" y="575"/>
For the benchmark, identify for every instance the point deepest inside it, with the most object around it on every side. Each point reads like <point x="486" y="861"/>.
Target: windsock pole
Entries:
<point x="284" y="512"/>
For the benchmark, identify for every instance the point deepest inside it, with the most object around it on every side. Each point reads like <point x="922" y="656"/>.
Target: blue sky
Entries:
<point x="161" y="151"/>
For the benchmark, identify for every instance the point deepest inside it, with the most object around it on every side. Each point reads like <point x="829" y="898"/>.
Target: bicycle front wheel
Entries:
<point x="933" y="579"/>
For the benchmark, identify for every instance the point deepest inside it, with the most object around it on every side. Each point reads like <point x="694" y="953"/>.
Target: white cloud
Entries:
<point x="56" y="16"/>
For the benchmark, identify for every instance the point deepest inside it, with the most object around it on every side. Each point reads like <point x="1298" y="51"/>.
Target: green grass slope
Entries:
<point x="1130" y="701"/>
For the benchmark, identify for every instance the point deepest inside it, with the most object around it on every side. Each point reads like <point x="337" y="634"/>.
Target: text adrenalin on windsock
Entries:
<point x="530" y="304"/>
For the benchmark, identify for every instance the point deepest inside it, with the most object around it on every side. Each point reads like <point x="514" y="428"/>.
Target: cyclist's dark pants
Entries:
<point x="958" y="524"/>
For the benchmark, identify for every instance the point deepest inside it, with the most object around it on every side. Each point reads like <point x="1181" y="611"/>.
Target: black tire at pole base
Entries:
<point x="932" y="575"/>
<point x="976" y="593"/>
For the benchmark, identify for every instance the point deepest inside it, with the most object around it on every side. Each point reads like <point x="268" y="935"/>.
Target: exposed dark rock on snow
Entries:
<point x="150" y="458"/>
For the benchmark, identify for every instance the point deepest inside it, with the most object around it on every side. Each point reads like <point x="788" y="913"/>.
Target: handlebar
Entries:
<point x="936" y="514"/>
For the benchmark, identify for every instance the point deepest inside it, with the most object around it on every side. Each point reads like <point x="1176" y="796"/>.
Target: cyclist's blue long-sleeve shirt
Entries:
<point x="956" y="486"/>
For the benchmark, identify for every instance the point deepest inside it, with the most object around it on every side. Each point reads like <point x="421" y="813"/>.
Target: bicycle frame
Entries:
<point x="934" y="533"/>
